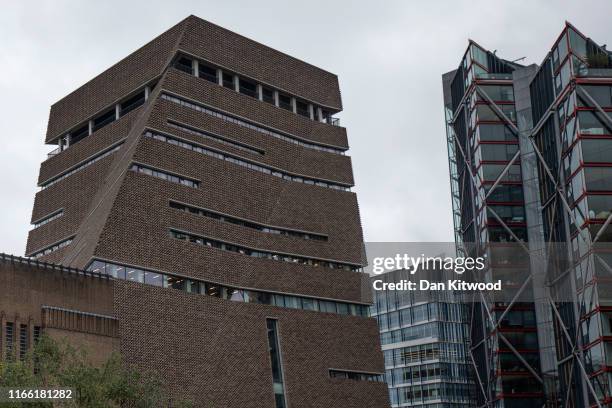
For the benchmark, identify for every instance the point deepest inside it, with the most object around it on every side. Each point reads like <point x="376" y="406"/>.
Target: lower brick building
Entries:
<point x="205" y="348"/>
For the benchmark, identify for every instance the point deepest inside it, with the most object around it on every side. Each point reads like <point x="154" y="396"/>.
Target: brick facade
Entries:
<point x="209" y="348"/>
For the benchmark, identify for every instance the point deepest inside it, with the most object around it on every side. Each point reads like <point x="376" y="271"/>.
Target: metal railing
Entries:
<point x="494" y="76"/>
<point x="54" y="151"/>
<point x="595" y="72"/>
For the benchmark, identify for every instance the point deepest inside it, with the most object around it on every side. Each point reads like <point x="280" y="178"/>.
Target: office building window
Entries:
<point x="294" y="259"/>
<point x="268" y="95"/>
<point x="81" y="166"/>
<point x="138" y="168"/>
<point x="79" y="134"/>
<point x="52" y="248"/>
<point x="228" y="80"/>
<point x="9" y="339"/>
<point x="216" y="138"/>
<point x="240" y="162"/>
<point x="284" y="101"/>
<point x="302" y="108"/>
<point x="248" y="88"/>
<point x="23" y="341"/>
<point x="164" y="280"/>
<point x="45" y="220"/>
<point x="276" y="363"/>
<point x="184" y="64"/>
<point x="132" y="103"/>
<point x="202" y="212"/>
<point x="104" y="119"/>
<point x="286" y="137"/>
<point x="37" y="333"/>
<point x="208" y="73"/>
<point x="356" y="375"/>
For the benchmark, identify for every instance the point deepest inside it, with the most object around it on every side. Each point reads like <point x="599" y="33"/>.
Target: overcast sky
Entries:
<point x="389" y="56"/>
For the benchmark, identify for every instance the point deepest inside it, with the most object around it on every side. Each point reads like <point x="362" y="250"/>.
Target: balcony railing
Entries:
<point x="333" y="121"/>
<point x="494" y="76"/>
<point x="595" y="72"/>
<point x="54" y="151"/>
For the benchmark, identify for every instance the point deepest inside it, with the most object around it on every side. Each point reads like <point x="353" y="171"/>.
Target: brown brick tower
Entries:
<point x="210" y="164"/>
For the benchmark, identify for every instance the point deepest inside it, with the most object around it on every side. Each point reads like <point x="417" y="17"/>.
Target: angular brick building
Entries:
<point x="205" y="177"/>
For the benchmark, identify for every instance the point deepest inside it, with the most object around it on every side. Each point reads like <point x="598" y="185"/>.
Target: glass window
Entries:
<point x="79" y="134"/>
<point x="498" y="152"/>
<point x="479" y="55"/>
<point x="342" y="308"/>
<point x="562" y="78"/>
<point x="248" y="88"/>
<point x="490" y="172"/>
<point x="154" y="278"/>
<point x="104" y="119"/>
<point x="562" y="48"/>
<point x="486" y="113"/>
<point x="578" y="43"/>
<point x="499" y="93"/>
<point x="495" y="132"/>
<point x="132" y="103"/>
<point x="208" y="73"/>
<point x="598" y="178"/>
<point x="310" y="304"/>
<point x="284" y="101"/>
<point x="135" y="275"/>
<point x="116" y="271"/>
<point x="508" y="213"/>
<point x="302" y="108"/>
<point x="596" y="150"/>
<point x="228" y="80"/>
<point x="602" y="94"/>
<point x="184" y="64"/>
<point x="97" y="267"/>
<point x="600" y="206"/>
<point x="268" y="95"/>
<point x="327" y="306"/>
<point x="591" y="125"/>
<point x="174" y="282"/>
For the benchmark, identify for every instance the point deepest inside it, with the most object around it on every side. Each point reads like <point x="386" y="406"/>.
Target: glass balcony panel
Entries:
<point x="577" y="43"/>
<point x="499" y="93"/>
<point x="596" y="151"/>
<point x="599" y="206"/>
<point x="590" y="124"/>
<point x="479" y="55"/>
<point x="598" y="178"/>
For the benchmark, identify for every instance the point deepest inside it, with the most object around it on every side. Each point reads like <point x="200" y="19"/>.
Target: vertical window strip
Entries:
<point x="9" y="339"/>
<point x="23" y="341"/>
<point x="278" y="383"/>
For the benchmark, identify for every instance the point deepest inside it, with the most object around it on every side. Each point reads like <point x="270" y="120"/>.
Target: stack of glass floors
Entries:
<point x="424" y="337"/>
<point x="573" y="88"/>
<point x="489" y="212"/>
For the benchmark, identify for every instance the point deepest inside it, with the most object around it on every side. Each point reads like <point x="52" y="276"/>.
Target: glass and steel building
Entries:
<point x="424" y="339"/>
<point x="489" y="206"/>
<point x="531" y="169"/>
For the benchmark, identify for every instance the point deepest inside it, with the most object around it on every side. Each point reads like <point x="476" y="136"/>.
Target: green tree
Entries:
<point x="58" y="364"/>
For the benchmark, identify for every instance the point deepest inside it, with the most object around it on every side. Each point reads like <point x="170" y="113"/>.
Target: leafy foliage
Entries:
<point x="58" y="364"/>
